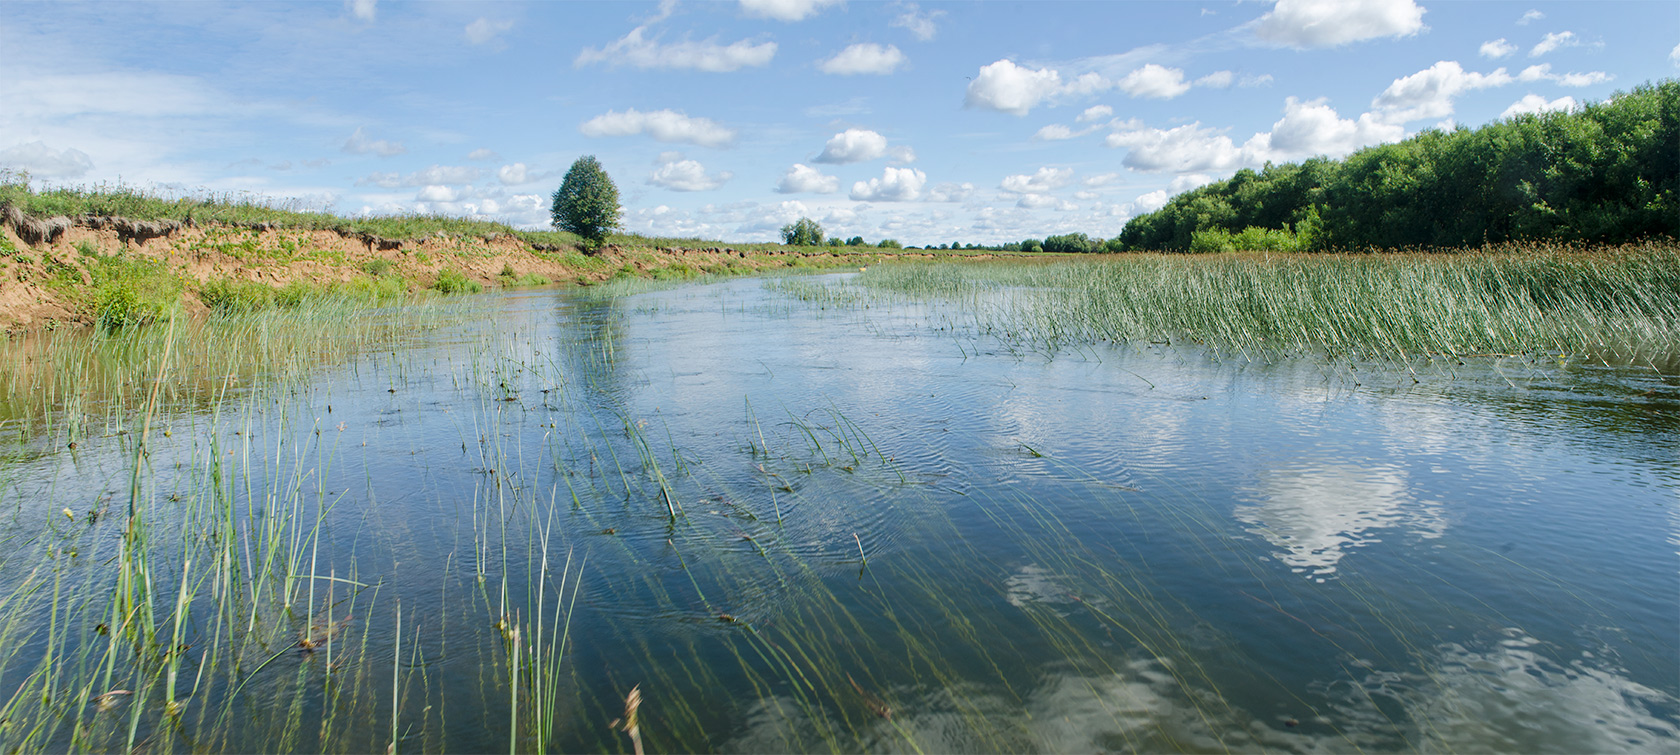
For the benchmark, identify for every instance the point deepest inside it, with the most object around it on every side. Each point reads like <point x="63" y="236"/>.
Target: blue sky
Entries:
<point x="927" y="122"/>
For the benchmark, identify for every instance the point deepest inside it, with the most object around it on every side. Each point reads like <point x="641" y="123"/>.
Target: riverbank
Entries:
<point x="80" y="270"/>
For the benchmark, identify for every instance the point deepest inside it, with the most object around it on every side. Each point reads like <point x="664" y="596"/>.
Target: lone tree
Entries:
<point x="803" y="232"/>
<point x="587" y="202"/>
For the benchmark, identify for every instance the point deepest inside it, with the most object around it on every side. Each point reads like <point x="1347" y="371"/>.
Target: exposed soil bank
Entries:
<point x="46" y="264"/>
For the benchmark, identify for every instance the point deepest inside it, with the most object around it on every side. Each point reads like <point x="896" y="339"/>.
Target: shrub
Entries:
<point x="1212" y="240"/>
<point x="1072" y="243"/>
<point x="452" y="281"/>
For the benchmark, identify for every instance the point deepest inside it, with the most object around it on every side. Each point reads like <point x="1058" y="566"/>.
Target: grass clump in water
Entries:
<point x="452" y="281"/>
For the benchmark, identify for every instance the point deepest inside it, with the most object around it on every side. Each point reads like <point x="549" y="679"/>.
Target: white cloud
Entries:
<point x="1543" y="72"/>
<point x="679" y="174"/>
<point x="638" y="51"/>
<point x="1497" y="48"/>
<point x="854" y="145"/>
<point x="1534" y="103"/>
<point x="441" y="194"/>
<point x="1058" y="132"/>
<point x="950" y="192"/>
<point x="359" y="144"/>
<point x="362" y="9"/>
<point x="1217" y="80"/>
<point x="894" y="185"/>
<point x="484" y="153"/>
<point x="1262" y="80"/>
<point x="1095" y="113"/>
<point x="1429" y="93"/>
<point x="804" y="179"/>
<point x="1017" y="89"/>
<point x="920" y="24"/>
<point x="513" y="175"/>
<point x="1674" y="55"/>
<point x="1151" y="202"/>
<point x="662" y="125"/>
<point x="1187" y="182"/>
<point x="1529" y="17"/>
<point x="43" y="161"/>
<point x="1043" y="201"/>
<point x="1101" y="179"/>
<point x="433" y="176"/>
<point x="1045" y="180"/>
<point x="1185" y="149"/>
<point x="484" y="30"/>
<point x="1313" y="128"/>
<point x="785" y="10"/>
<point x="1330" y="23"/>
<point x="1552" y="42"/>
<point x="1155" y="82"/>
<point x="864" y="57"/>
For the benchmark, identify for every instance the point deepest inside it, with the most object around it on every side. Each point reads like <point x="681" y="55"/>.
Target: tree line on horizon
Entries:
<point x="1606" y="172"/>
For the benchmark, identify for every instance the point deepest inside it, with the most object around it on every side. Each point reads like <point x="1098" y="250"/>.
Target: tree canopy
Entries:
<point x="1606" y="172"/>
<point x="587" y="201"/>
<point x="803" y="232"/>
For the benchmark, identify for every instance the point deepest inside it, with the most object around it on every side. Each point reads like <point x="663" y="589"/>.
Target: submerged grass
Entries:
<point x="1621" y="304"/>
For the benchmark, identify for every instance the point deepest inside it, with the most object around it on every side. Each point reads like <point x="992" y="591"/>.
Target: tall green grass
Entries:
<point x="1621" y="303"/>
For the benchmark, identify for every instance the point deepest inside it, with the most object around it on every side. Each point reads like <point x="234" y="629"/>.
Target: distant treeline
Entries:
<point x="1605" y="172"/>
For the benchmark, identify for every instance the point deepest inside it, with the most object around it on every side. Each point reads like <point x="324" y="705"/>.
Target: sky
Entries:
<point x="926" y="122"/>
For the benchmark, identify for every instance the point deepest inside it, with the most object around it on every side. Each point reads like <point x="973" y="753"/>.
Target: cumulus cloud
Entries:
<point x="1217" y="80"/>
<point x="950" y="192"/>
<point x="43" y="161"/>
<point x="894" y="185"/>
<point x="359" y="144"/>
<point x="1045" y="180"/>
<point x="637" y="50"/>
<point x="1552" y="42"/>
<point x="1530" y="17"/>
<point x="1187" y="182"/>
<point x="1095" y="113"/>
<point x="1497" y="48"/>
<point x="1155" y="82"/>
<point x="1429" y="93"/>
<point x="1543" y="72"/>
<point x="662" y="125"/>
<point x="484" y="30"/>
<point x="785" y="10"/>
<point x="1005" y="86"/>
<point x="1184" y="149"/>
<point x="804" y="179"/>
<point x="919" y="23"/>
<point x="484" y="153"/>
<point x="1101" y="179"/>
<point x="1305" y="24"/>
<point x="854" y="145"/>
<point x="362" y="9"/>
<point x="1534" y="103"/>
<point x="1313" y="128"/>
<point x="513" y="175"/>
<point x="680" y="174"/>
<point x="1151" y="202"/>
<point x="442" y="194"/>
<point x="864" y="57"/>
<point x="1043" y="201"/>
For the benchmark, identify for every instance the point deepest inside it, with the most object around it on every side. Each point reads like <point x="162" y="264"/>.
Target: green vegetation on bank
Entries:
<point x="1608" y="172"/>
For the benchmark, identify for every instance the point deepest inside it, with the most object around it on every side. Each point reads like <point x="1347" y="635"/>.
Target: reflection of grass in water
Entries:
<point x="1622" y="303"/>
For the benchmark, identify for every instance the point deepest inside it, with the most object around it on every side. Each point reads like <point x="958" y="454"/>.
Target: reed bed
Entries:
<point x="1620" y="304"/>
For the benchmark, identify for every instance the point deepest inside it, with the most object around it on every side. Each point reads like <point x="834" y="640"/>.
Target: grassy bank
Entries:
<point x="1619" y="303"/>
<point x="116" y="256"/>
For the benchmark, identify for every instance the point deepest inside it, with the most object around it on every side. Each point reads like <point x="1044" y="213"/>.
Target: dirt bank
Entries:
<point x="49" y="267"/>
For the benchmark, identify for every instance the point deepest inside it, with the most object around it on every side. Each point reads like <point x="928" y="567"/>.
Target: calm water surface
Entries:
<point x="893" y="534"/>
